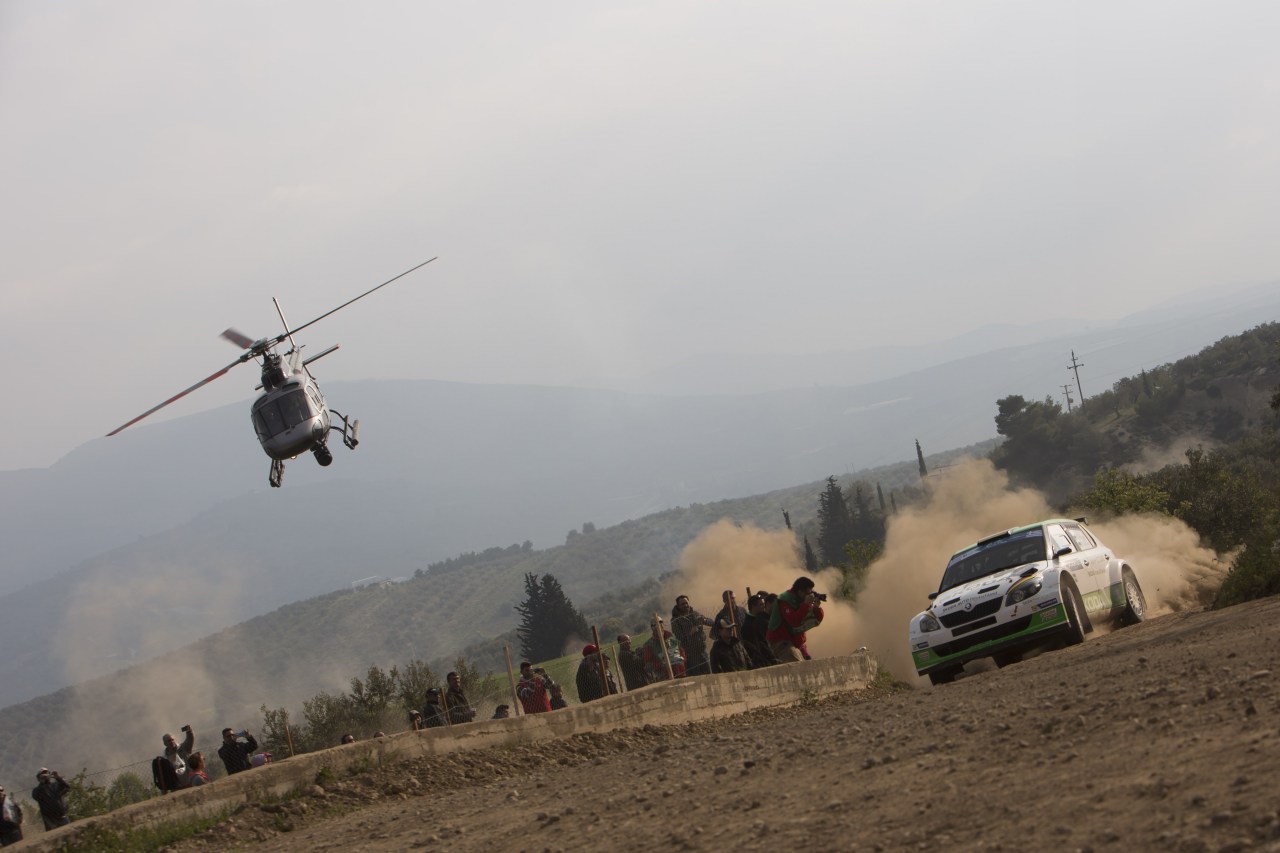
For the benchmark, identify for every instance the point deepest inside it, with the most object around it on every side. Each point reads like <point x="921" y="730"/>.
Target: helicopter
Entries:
<point x="291" y="416"/>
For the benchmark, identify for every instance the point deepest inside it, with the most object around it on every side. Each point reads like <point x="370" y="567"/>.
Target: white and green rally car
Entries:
<point x="1022" y="588"/>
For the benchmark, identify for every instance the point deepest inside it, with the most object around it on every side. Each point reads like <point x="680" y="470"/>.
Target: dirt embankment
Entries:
<point x="1165" y="736"/>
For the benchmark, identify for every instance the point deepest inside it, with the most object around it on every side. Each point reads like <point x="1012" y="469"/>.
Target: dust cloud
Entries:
<point x="1175" y="571"/>
<point x="1175" y="453"/>
<point x="971" y="500"/>
<point x="726" y="556"/>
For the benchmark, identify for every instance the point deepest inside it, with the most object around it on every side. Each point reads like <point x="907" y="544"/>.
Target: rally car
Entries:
<point x="1027" y="587"/>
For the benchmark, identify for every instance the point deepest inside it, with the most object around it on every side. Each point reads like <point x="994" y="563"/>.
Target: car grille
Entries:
<point x="1005" y="630"/>
<point x="986" y="608"/>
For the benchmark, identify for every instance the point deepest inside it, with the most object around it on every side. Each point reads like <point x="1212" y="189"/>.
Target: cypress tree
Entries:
<point x="548" y="619"/>
<point x="835" y="524"/>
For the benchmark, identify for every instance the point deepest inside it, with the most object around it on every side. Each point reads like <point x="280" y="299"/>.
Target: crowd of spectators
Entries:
<point x="771" y="629"/>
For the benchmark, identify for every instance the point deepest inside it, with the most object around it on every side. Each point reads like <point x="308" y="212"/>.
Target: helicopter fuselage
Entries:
<point x="291" y="418"/>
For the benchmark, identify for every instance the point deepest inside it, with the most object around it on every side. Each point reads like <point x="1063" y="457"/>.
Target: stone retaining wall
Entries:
<point x="671" y="702"/>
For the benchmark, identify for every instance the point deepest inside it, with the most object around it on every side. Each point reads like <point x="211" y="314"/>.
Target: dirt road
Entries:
<point x="1164" y="736"/>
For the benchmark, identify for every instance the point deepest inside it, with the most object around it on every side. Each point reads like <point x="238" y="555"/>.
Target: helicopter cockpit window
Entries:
<point x="274" y="415"/>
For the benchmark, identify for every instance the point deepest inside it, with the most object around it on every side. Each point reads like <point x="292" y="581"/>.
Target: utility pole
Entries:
<point x="1066" y="390"/>
<point x="1075" y="366"/>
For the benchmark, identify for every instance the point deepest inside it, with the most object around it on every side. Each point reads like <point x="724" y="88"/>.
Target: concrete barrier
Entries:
<point x="670" y="702"/>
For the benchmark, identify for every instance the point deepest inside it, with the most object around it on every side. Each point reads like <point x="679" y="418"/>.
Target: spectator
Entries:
<point x="797" y="611"/>
<point x="654" y="663"/>
<point x="727" y="653"/>
<point x="10" y="819"/>
<point x="379" y="734"/>
<point x="432" y="712"/>
<point x="195" y="770"/>
<point x="178" y="753"/>
<point x="501" y="712"/>
<point x="532" y="690"/>
<point x="755" y="627"/>
<point x="592" y="684"/>
<point x="260" y="758"/>
<point x="348" y="739"/>
<point x="456" y="704"/>
<point x="234" y="754"/>
<point x="557" y="697"/>
<point x="689" y="626"/>
<point x="739" y="613"/>
<point x="633" y="673"/>
<point x="50" y="794"/>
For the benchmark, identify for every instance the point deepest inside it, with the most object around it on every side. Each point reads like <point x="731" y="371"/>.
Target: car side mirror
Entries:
<point x="1061" y="552"/>
<point x="933" y="595"/>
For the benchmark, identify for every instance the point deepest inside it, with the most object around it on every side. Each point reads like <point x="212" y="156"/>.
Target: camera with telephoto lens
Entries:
<point x="819" y="596"/>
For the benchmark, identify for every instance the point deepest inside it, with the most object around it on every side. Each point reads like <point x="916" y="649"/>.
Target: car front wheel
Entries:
<point x="942" y="676"/>
<point x="1075" y="621"/>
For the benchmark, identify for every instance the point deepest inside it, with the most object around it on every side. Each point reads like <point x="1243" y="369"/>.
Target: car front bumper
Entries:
<point x="950" y="651"/>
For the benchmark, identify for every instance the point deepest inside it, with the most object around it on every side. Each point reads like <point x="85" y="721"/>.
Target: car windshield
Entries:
<point x="1017" y="549"/>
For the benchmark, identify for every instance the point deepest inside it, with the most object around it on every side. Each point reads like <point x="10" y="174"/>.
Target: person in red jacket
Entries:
<point x="533" y="690"/>
<point x="796" y="611"/>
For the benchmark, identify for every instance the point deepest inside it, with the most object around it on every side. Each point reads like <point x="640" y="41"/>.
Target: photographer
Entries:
<point x="51" y="796"/>
<point x="179" y="754"/>
<point x="234" y="754"/>
<point x="796" y="611"/>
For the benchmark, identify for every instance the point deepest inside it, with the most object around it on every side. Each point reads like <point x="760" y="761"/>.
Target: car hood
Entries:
<point x="981" y="588"/>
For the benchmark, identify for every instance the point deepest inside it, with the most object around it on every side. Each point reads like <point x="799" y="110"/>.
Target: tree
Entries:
<point x="547" y="619"/>
<point x="1118" y="493"/>
<point x="86" y="798"/>
<point x="371" y="697"/>
<point x="413" y="683"/>
<point x="860" y="554"/>
<point x="835" y="524"/>
<point x="924" y="472"/>
<point x="127" y="788"/>
<point x="810" y="559"/>
<point x="275" y="731"/>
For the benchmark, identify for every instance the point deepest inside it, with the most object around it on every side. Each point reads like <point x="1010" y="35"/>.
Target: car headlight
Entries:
<point x="1023" y="590"/>
<point x="928" y="622"/>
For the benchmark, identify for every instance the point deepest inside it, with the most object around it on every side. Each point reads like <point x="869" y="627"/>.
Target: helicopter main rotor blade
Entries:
<point x="290" y="332"/>
<point x="179" y="395"/>
<point x="240" y="339"/>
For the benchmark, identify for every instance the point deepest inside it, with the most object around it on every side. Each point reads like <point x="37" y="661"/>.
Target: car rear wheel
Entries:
<point x="1075" y="608"/>
<point x="1135" y="603"/>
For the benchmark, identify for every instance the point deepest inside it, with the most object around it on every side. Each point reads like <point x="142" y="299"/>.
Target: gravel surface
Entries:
<point x="1163" y="736"/>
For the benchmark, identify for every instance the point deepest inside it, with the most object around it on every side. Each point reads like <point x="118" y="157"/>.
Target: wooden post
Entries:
<point x="617" y="667"/>
<point x="604" y="670"/>
<point x="731" y="604"/>
<point x="444" y="703"/>
<point x="288" y="736"/>
<point x="660" y="633"/>
<point x="517" y="708"/>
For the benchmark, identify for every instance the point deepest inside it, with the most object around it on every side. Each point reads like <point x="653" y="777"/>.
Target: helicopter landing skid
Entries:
<point x="277" y="473"/>
<point x="350" y="429"/>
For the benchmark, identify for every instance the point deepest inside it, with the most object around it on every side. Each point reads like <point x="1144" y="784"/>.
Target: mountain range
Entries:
<point x="132" y="546"/>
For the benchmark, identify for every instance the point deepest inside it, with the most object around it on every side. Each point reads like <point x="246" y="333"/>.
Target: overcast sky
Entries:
<point x="610" y="187"/>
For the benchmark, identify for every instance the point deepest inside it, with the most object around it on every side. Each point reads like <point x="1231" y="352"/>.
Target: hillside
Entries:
<point x="319" y="644"/>
<point x="1144" y="422"/>
<point x="133" y="546"/>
